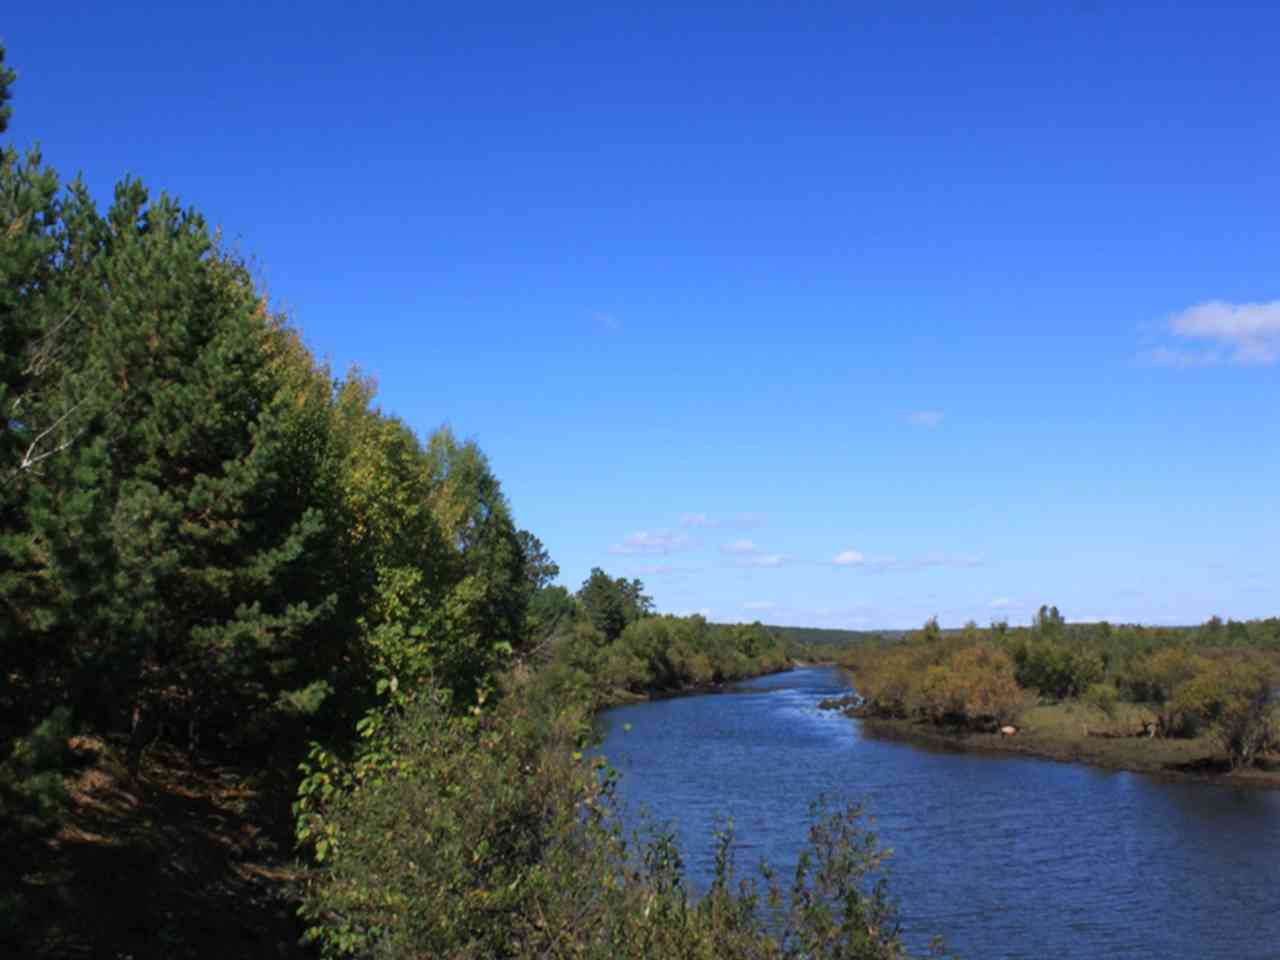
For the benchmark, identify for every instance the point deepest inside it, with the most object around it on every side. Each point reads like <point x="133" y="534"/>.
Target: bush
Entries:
<point x="1056" y="670"/>
<point x="1236" y="697"/>
<point x="1104" y="698"/>
<point x="1158" y="678"/>
<point x="492" y="836"/>
<point x="940" y="681"/>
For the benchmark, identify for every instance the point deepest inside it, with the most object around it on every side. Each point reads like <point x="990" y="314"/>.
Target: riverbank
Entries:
<point x="622" y="698"/>
<point x="1074" y="733"/>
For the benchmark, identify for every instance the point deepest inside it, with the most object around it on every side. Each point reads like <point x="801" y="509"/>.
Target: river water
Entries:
<point x="1003" y="856"/>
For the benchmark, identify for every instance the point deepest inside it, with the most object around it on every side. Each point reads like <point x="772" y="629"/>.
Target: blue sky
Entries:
<point x="823" y="314"/>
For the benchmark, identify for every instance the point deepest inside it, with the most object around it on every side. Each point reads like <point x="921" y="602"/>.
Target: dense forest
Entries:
<point x="218" y="556"/>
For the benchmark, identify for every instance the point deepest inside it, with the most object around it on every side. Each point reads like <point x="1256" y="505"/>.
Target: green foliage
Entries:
<point x="1056" y="669"/>
<point x="492" y="836"/>
<point x="202" y="534"/>
<point x="32" y="795"/>
<point x="1048" y="621"/>
<point x="458" y="818"/>
<point x="156" y="509"/>
<point x="821" y="639"/>
<point x="540" y="570"/>
<point x="672" y="653"/>
<point x="612" y="605"/>
<point x="1103" y="697"/>
<point x="1159" y="678"/>
<point x="551" y="609"/>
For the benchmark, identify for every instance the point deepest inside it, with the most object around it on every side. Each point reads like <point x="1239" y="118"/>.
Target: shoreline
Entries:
<point x="626" y="699"/>
<point x="1169" y="760"/>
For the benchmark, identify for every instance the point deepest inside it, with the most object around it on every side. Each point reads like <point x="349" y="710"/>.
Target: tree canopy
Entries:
<point x="612" y="604"/>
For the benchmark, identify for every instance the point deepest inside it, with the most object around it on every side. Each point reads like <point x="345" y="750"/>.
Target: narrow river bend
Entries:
<point x="1005" y="857"/>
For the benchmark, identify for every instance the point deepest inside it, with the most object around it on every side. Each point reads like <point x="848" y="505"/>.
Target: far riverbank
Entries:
<point x="1073" y="733"/>
<point x="622" y="698"/>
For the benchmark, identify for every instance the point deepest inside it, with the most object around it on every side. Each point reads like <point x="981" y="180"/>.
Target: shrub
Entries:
<point x="1056" y="670"/>
<point x="1158" y="678"/>
<point x="1104" y="698"/>
<point x="492" y="836"/>
<point x="1236" y="697"/>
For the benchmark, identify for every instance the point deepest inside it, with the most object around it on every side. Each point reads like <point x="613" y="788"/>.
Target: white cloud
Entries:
<point x="1003" y="603"/>
<point x="653" y="541"/>
<point x="758" y="605"/>
<point x="925" y="418"/>
<point x="848" y="558"/>
<point x="739" y="547"/>
<point x="1242" y="334"/>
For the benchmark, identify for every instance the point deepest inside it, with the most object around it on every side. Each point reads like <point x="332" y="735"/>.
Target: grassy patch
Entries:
<point x="1077" y="733"/>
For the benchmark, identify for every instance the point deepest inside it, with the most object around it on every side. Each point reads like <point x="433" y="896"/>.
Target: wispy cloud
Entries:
<point x="653" y="542"/>
<point x="887" y="564"/>
<point x="1003" y="603"/>
<point x="1218" y="333"/>
<point x="759" y="605"/>
<point x="957" y="560"/>
<point x="1181" y="359"/>
<point x="929" y="419"/>
<point x="746" y="553"/>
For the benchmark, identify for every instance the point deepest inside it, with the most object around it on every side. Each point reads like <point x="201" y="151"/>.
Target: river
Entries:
<point x="1003" y="856"/>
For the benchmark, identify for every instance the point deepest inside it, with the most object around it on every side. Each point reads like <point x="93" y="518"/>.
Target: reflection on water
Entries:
<point x="1005" y="857"/>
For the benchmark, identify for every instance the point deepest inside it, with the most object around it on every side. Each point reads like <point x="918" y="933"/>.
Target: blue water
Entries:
<point x="1004" y="857"/>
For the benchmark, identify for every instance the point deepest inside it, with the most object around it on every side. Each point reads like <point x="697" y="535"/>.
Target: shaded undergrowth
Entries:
<point x="178" y="863"/>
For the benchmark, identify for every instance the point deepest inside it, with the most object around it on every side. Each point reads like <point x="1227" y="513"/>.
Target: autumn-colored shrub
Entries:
<point x="1236" y="698"/>
<point x="971" y="685"/>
